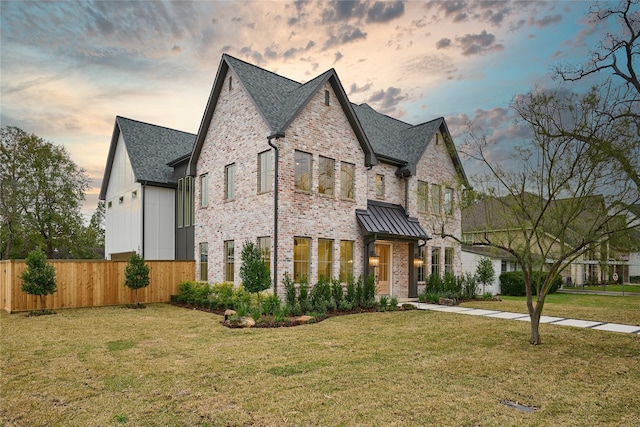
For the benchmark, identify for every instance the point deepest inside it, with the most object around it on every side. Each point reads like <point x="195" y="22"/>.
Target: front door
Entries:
<point x="383" y="273"/>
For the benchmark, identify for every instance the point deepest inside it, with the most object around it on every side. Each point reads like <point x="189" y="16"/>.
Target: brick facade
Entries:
<point x="237" y="134"/>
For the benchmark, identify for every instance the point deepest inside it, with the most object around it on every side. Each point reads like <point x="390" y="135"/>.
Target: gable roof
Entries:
<point x="150" y="148"/>
<point x="278" y="99"/>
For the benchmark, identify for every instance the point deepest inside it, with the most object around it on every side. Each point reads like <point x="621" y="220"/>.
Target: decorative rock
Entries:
<point x="304" y="319"/>
<point x="447" y="301"/>
<point x="228" y="313"/>
<point x="241" y="322"/>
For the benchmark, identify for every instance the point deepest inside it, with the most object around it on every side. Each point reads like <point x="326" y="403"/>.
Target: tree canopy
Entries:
<point x="41" y="194"/>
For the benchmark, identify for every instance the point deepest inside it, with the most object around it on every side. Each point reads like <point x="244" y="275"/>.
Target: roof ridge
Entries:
<point x="382" y="114"/>
<point x="260" y="68"/>
<point x="152" y="124"/>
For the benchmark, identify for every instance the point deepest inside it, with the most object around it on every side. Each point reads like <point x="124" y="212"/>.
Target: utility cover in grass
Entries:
<point x="518" y="406"/>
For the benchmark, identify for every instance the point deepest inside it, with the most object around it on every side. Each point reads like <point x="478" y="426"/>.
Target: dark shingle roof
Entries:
<point x="389" y="220"/>
<point x="150" y="148"/>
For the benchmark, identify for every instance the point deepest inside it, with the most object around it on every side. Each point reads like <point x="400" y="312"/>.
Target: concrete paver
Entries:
<point x="576" y="323"/>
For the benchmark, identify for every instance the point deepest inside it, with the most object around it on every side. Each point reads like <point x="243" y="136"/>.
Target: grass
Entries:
<point x="169" y="366"/>
<point x="602" y="308"/>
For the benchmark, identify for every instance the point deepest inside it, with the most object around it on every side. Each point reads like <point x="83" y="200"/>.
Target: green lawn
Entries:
<point x="613" y="288"/>
<point x="169" y="366"/>
<point x="603" y="308"/>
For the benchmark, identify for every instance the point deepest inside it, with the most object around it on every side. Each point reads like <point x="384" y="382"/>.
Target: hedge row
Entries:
<point x="512" y="283"/>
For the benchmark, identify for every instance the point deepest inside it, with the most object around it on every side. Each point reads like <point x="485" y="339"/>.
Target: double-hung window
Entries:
<point x="265" y="171"/>
<point x="346" y="260"/>
<point x="325" y="259"/>
<point x="301" y="258"/>
<point x="302" y="176"/>
<point x="204" y="262"/>
<point x="347" y="180"/>
<point x="448" y="260"/>
<point x="264" y="244"/>
<point x="435" y="199"/>
<point x="229" y="261"/>
<point x="448" y="201"/>
<point x="204" y="190"/>
<point x="435" y="261"/>
<point x="423" y="188"/>
<point x="380" y="186"/>
<point x="325" y="176"/>
<point x="230" y="181"/>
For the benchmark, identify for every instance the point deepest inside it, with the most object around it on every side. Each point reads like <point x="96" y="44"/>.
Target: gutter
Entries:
<point x="276" y="135"/>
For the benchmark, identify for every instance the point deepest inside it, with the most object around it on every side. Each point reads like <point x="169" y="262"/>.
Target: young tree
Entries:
<point x="136" y="274"/>
<point x="41" y="192"/>
<point x="485" y="272"/>
<point x="39" y="278"/>
<point x="254" y="273"/>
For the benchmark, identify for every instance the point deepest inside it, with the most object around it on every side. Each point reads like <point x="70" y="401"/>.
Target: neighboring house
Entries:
<point x="356" y="191"/>
<point x="139" y="190"/>
<point x="490" y="219"/>
<point x="502" y="261"/>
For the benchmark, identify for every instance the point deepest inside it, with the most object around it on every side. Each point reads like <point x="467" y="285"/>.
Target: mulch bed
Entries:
<point x="266" y="322"/>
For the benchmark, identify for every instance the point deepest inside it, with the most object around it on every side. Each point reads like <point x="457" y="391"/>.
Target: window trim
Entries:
<point x="436" y="202"/>
<point x="435" y="267"/>
<point x="265" y="250"/>
<point x="448" y="204"/>
<point x="188" y="200"/>
<point x="423" y="205"/>
<point x="380" y="186"/>
<point x="180" y="207"/>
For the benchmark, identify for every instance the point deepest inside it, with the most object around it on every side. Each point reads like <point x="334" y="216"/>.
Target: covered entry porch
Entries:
<point x="392" y="242"/>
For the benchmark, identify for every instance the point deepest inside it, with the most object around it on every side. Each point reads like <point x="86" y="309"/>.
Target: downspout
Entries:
<point x="144" y="186"/>
<point x="276" y="135"/>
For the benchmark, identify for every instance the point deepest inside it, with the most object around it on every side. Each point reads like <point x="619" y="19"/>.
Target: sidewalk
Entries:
<point x="588" y="324"/>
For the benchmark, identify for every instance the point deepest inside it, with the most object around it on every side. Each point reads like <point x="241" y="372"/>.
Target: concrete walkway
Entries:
<point x="588" y="324"/>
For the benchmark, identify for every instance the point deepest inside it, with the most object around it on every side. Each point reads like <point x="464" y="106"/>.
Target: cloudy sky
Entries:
<point x="68" y="68"/>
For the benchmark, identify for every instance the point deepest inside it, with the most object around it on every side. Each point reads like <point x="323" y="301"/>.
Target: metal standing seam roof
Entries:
<point x="390" y="220"/>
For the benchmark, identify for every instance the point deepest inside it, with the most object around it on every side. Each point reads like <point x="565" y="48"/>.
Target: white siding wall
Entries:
<point x="159" y="231"/>
<point x="470" y="264"/>
<point x="123" y="219"/>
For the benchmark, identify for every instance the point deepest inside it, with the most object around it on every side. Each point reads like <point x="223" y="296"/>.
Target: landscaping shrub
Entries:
<point x="468" y="285"/>
<point x="434" y="284"/>
<point x="351" y="292"/>
<point x="271" y="304"/>
<point x="393" y="304"/>
<point x="382" y="303"/>
<point x="290" y="289"/>
<point x="303" y="295"/>
<point x="512" y="283"/>
<point x="192" y="292"/>
<point x="222" y="295"/>
<point x="337" y="292"/>
<point x="359" y="293"/>
<point x="321" y="295"/>
<point x="39" y="278"/>
<point x="369" y="292"/>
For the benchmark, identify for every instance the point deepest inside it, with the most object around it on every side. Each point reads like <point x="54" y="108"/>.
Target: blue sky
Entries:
<point x="68" y="68"/>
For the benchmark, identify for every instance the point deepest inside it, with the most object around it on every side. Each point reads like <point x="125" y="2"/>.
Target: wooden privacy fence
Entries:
<point x="92" y="283"/>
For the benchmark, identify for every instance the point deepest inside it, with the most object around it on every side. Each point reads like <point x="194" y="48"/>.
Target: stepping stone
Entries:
<point x="508" y="315"/>
<point x="578" y="323"/>
<point x="615" y="327"/>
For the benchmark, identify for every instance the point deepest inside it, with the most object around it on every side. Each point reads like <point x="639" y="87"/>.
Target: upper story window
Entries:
<point x="265" y="171"/>
<point x="423" y="189"/>
<point x="435" y="198"/>
<point x="325" y="176"/>
<point x="204" y="190"/>
<point x="448" y="201"/>
<point x="326" y="97"/>
<point x="347" y="180"/>
<point x="302" y="176"/>
<point x="230" y="181"/>
<point x="380" y="186"/>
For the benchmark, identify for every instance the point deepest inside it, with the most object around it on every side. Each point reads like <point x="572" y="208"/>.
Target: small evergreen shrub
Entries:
<point x="351" y="292"/>
<point x="393" y="304"/>
<point x="39" y="278"/>
<point x="303" y="295"/>
<point x="136" y="274"/>
<point x="369" y="292"/>
<point x="359" y="298"/>
<point x="337" y="292"/>
<point x="383" y="303"/>
<point x="271" y="304"/>
<point x="290" y="289"/>
<point x="512" y="283"/>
